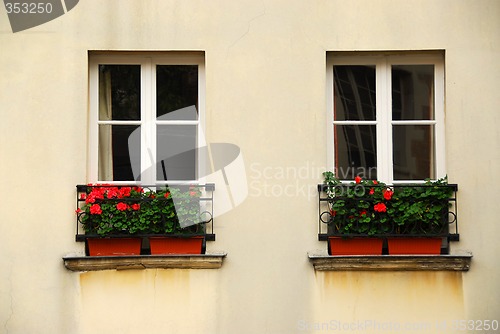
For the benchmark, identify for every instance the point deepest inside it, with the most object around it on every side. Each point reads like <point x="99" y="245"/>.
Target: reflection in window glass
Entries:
<point x="119" y="92"/>
<point x="176" y="89"/>
<point x="115" y="155"/>
<point x="354" y="89"/>
<point x="413" y="92"/>
<point x="355" y="151"/>
<point x="176" y="152"/>
<point x="413" y="153"/>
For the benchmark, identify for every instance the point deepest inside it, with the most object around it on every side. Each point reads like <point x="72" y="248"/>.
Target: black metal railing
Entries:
<point x="135" y="207"/>
<point x="409" y="210"/>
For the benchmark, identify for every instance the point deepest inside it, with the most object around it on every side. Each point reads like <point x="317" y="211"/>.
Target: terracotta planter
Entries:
<point x="354" y="246"/>
<point x="114" y="246"/>
<point x="416" y="246"/>
<point x="176" y="245"/>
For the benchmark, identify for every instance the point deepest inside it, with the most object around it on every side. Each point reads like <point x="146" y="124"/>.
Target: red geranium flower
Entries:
<point x="95" y="209"/>
<point x="112" y="193"/>
<point x="121" y="206"/>
<point x="124" y="192"/>
<point x="380" y="207"/>
<point x="96" y="193"/>
<point x="372" y="191"/>
<point x="138" y="189"/>
<point x="192" y="193"/>
<point x="77" y="211"/>
<point x="357" y="179"/>
<point x="333" y="213"/>
<point x="388" y="194"/>
<point x="362" y="213"/>
<point x="375" y="182"/>
<point x="136" y="206"/>
<point x="167" y="194"/>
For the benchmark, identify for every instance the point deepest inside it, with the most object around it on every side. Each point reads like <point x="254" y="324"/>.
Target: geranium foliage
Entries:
<point x="117" y="210"/>
<point x="370" y="207"/>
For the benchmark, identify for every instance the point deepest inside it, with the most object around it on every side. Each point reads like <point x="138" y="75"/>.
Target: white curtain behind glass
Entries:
<point x="105" y="131"/>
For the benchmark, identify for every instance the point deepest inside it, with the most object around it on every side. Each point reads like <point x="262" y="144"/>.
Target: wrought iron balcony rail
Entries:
<point x="424" y="214"/>
<point x="134" y="197"/>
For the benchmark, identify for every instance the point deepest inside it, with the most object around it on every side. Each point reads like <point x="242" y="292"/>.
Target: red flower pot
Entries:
<point x="114" y="246"/>
<point x="415" y="246"/>
<point x="176" y="245"/>
<point x="354" y="246"/>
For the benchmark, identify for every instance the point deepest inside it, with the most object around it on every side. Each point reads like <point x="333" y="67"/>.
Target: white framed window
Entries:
<point x="386" y="115"/>
<point x="146" y="116"/>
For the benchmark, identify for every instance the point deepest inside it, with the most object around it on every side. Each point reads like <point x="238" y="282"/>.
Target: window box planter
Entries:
<point x="413" y="218"/>
<point x="417" y="246"/>
<point x="114" y="246"/>
<point x="162" y="245"/>
<point x="354" y="246"/>
<point x="168" y="216"/>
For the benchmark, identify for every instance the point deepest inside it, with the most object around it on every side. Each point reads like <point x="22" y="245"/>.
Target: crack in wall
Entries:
<point x="247" y="31"/>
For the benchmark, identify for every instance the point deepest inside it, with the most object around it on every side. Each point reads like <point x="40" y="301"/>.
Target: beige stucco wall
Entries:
<point x="265" y="92"/>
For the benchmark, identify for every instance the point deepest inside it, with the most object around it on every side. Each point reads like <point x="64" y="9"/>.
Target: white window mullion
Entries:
<point x="148" y="131"/>
<point x="355" y="122"/>
<point x="384" y="116"/>
<point x="330" y="153"/>
<point x="439" y="100"/>
<point x="202" y="168"/>
<point x="93" y="151"/>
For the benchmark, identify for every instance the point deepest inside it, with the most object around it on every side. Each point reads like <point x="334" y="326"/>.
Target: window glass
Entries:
<point x="354" y="89"/>
<point x="176" y="89"/>
<point x="355" y="151"/>
<point x="412" y="92"/>
<point x="117" y="153"/>
<point x="176" y="152"/>
<point x="119" y="92"/>
<point x="413" y="154"/>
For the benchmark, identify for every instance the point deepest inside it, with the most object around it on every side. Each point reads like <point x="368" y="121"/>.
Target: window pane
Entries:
<point x="355" y="151"/>
<point x="354" y="93"/>
<point x="119" y="92"/>
<point x="115" y="154"/>
<point x="413" y="152"/>
<point x="413" y="92"/>
<point x="176" y="152"/>
<point x="177" y="89"/>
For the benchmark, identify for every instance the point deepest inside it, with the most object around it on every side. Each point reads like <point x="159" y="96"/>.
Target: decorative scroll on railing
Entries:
<point x="118" y="210"/>
<point x="399" y="210"/>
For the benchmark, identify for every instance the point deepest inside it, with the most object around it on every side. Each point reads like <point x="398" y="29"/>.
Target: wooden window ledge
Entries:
<point x="188" y="261"/>
<point x="459" y="261"/>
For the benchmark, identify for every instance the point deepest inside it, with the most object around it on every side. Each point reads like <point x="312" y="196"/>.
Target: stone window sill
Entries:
<point x="93" y="263"/>
<point x="460" y="261"/>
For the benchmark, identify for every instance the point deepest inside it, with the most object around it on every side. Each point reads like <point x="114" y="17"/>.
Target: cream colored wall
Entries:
<point x="386" y="302"/>
<point x="265" y="69"/>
